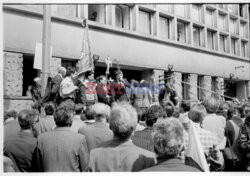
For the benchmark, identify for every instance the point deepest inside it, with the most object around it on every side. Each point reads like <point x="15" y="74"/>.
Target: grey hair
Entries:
<point x="123" y="120"/>
<point x="62" y="70"/>
<point x="101" y="110"/>
<point x="168" y="137"/>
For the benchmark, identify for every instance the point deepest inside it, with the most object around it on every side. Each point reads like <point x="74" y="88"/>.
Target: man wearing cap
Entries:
<point x="119" y="93"/>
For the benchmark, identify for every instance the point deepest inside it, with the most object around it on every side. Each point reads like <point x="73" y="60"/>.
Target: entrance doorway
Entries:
<point x="230" y="89"/>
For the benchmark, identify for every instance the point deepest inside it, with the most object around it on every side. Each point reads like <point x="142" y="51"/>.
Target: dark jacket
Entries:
<point x="11" y="128"/>
<point x="119" y="92"/>
<point x="244" y="145"/>
<point x="79" y="93"/>
<point x="45" y="124"/>
<point x="171" y="165"/>
<point x="89" y="95"/>
<point x="120" y="155"/>
<point x="103" y="96"/>
<point x="20" y="149"/>
<point x="62" y="150"/>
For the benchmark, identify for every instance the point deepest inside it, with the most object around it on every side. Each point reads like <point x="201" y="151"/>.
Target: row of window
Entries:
<point x="231" y="37"/>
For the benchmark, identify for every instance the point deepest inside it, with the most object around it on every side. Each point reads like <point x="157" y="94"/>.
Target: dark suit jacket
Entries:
<point x="144" y="139"/>
<point x="45" y="124"/>
<point x="170" y="165"/>
<point x="102" y="95"/>
<point x="96" y="134"/>
<point x="11" y="128"/>
<point x="79" y="93"/>
<point x="119" y="92"/>
<point x="20" y="149"/>
<point x="62" y="150"/>
<point x="120" y="155"/>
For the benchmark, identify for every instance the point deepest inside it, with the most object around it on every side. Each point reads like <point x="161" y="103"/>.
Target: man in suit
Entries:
<point x="11" y="126"/>
<point x="20" y="148"/>
<point x="120" y="154"/>
<point x="168" y="143"/>
<point x="52" y="90"/>
<point x="102" y="91"/>
<point x="99" y="131"/>
<point x="62" y="150"/>
<point x="143" y="138"/>
<point x="46" y="123"/>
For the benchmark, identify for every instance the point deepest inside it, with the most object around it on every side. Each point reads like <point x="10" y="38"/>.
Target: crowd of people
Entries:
<point x="83" y="124"/>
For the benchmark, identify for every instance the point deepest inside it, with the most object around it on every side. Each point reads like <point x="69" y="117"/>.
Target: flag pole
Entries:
<point x="46" y="46"/>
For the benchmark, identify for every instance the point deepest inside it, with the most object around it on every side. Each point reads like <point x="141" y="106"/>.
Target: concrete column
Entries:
<point x="176" y="82"/>
<point x="218" y="87"/>
<point x="55" y="63"/>
<point x="248" y="89"/>
<point x="13" y="74"/>
<point x="192" y="90"/>
<point x="206" y="82"/>
<point x="155" y="79"/>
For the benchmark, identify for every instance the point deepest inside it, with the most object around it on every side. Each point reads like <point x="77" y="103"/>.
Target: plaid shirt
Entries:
<point x="207" y="138"/>
<point x="144" y="139"/>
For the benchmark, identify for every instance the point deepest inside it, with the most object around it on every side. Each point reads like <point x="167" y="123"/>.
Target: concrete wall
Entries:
<point x="127" y="49"/>
<point x="17" y="104"/>
<point x="13" y="74"/>
<point x="13" y="81"/>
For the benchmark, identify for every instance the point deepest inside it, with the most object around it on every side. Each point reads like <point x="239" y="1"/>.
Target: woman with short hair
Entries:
<point x="168" y="143"/>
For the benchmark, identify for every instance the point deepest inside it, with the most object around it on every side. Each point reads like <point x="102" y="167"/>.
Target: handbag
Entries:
<point x="230" y="157"/>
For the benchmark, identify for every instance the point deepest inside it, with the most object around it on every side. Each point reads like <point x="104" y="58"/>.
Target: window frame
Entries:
<point x="244" y="53"/>
<point x="235" y="46"/>
<point x="200" y="35"/>
<point x="212" y="16"/>
<point x="185" y="29"/>
<point x="168" y="26"/>
<point x="123" y="25"/>
<point x="224" y="42"/>
<point x="150" y="21"/>
<point x="213" y="39"/>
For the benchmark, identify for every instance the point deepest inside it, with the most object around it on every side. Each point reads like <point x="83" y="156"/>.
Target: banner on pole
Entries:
<point x="86" y="62"/>
<point x="38" y="60"/>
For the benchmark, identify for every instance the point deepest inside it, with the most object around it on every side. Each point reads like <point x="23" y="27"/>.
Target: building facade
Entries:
<point x="206" y="44"/>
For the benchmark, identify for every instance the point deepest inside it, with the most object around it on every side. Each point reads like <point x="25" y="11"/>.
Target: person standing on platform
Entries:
<point x="102" y="91"/>
<point x="67" y="88"/>
<point x="89" y="96"/>
<point x="119" y="93"/>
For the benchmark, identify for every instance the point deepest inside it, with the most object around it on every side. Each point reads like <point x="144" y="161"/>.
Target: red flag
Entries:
<point x="86" y="61"/>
